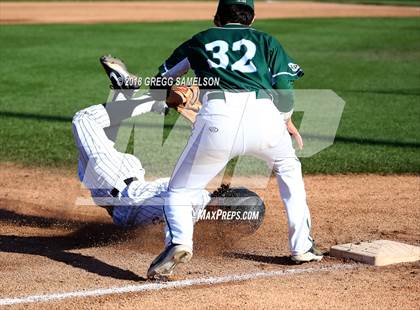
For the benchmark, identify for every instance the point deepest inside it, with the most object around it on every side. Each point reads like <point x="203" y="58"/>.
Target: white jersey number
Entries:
<point x="244" y="65"/>
<point x="221" y="55"/>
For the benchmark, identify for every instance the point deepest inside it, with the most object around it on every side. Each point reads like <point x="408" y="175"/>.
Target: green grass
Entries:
<point x="48" y="72"/>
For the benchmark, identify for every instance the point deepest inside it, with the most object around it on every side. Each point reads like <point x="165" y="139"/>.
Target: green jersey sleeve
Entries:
<point x="281" y="66"/>
<point x="177" y="64"/>
<point x="284" y="72"/>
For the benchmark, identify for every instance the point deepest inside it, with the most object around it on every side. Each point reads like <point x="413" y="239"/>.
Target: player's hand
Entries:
<point x="188" y="114"/>
<point x="291" y="128"/>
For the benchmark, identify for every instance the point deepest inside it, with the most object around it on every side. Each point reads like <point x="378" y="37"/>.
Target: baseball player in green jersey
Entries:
<point x="237" y="118"/>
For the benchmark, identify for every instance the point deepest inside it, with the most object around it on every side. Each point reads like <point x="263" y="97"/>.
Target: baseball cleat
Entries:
<point x="314" y="254"/>
<point x="163" y="265"/>
<point x="118" y="73"/>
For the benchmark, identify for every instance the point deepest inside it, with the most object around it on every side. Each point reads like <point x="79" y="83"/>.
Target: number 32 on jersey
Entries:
<point x="220" y="48"/>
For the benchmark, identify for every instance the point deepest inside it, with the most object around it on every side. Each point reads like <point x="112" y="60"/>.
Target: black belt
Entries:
<point x="114" y="192"/>
<point x="221" y="95"/>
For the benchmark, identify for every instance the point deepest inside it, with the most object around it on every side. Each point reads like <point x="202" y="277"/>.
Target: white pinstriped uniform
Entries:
<point x="102" y="168"/>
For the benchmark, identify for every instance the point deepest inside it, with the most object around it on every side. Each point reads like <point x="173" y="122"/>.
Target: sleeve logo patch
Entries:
<point x="293" y="67"/>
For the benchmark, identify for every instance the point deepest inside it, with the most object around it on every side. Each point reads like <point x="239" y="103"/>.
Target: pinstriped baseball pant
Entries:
<point x="102" y="168"/>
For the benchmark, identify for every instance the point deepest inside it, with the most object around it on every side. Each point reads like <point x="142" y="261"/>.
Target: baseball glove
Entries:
<point x="185" y="99"/>
<point x="244" y="205"/>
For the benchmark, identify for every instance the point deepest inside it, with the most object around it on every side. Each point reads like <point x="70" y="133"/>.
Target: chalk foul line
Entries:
<point x="155" y="286"/>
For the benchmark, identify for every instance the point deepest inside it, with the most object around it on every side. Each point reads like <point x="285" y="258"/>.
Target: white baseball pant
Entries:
<point x="238" y="125"/>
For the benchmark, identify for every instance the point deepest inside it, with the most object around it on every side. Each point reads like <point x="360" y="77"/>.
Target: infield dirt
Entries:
<point x="49" y="244"/>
